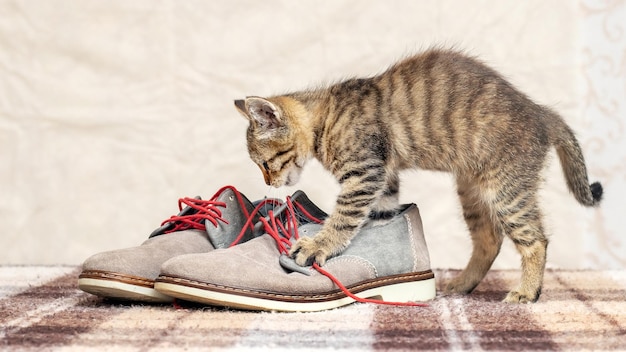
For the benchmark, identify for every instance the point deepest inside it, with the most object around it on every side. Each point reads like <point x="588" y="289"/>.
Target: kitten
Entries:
<point x="439" y="110"/>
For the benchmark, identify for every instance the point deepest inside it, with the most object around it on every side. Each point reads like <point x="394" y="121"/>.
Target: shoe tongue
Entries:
<point x="306" y="226"/>
<point x="222" y="235"/>
<point x="302" y="219"/>
<point x="301" y="198"/>
<point x="280" y="213"/>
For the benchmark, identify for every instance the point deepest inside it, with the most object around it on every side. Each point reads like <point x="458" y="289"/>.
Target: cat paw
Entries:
<point x="459" y="285"/>
<point x="307" y="250"/>
<point x="519" y="297"/>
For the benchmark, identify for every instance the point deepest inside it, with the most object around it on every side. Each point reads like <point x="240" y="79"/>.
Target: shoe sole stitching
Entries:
<point x="330" y="296"/>
<point x="111" y="276"/>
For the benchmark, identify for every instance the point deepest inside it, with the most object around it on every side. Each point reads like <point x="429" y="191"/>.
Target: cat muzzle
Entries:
<point x="266" y="176"/>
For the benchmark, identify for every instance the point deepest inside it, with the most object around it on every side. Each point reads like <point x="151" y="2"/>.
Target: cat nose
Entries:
<point x="266" y="177"/>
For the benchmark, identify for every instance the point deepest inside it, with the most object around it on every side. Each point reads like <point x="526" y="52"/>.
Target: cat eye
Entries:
<point x="265" y="166"/>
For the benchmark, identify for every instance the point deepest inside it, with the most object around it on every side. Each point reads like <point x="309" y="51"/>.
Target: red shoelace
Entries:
<point x="209" y="210"/>
<point x="282" y="233"/>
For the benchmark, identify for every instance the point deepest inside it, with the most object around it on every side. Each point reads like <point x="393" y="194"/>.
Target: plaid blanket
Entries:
<point x="42" y="309"/>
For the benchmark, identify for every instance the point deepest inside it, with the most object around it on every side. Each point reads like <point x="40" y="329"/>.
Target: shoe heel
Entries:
<point x="414" y="291"/>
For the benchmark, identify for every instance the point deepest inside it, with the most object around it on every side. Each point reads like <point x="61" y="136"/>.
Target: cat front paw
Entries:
<point x="308" y="250"/>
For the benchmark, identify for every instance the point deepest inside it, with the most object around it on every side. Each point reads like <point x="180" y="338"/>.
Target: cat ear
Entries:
<point x="240" y="104"/>
<point x="261" y="111"/>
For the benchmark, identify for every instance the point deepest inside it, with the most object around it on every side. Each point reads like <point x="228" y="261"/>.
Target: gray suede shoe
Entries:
<point x="200" y="227"/>
<point x="388" y="262"/>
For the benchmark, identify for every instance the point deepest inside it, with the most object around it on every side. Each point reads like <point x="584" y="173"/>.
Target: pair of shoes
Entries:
<point x="388" y="262"/>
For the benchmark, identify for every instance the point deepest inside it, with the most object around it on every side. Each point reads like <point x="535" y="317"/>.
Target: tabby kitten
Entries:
<point x="439" y="110"/>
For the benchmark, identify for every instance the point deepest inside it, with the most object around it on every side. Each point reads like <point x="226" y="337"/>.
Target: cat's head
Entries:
<point x="275" y="137"/>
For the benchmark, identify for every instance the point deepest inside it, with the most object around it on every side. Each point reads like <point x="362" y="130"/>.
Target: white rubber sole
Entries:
<point x="414" y="291"/>
<point x="122" y="291"/>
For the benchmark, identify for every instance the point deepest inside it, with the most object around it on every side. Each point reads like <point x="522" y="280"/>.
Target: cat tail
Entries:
<point x="573" y="163"/>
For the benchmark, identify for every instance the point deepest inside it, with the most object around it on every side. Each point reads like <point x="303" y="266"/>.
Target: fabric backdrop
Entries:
<point x="110" y="111"/>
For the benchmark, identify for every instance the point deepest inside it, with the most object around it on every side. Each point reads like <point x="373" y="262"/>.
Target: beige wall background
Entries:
<point x="112" y="110"/>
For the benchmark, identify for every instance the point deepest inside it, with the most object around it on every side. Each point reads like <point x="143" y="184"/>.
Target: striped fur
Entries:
<point x="438" y="110"/>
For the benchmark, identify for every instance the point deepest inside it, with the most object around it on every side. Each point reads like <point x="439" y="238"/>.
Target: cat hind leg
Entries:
<point x="485" y="239"/>
<point x="524" y="228"/>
